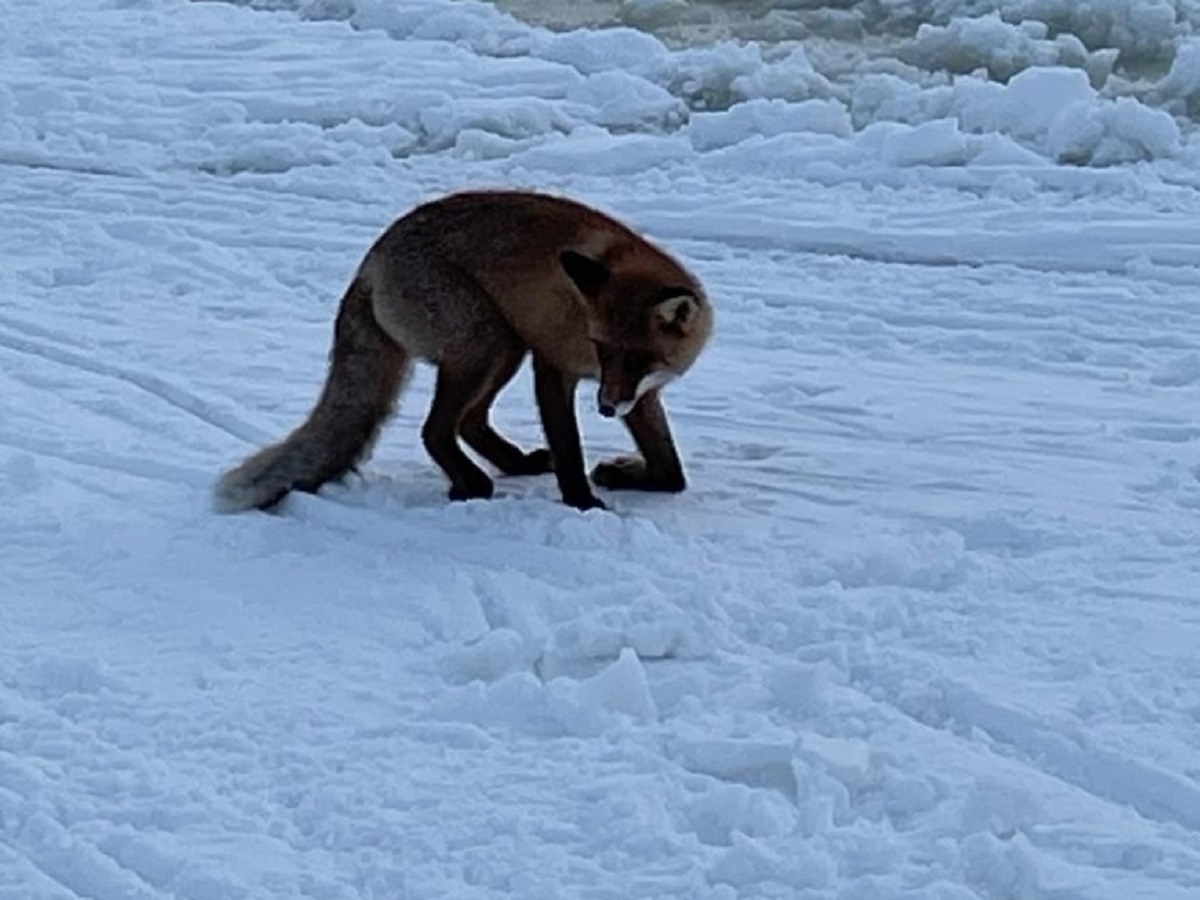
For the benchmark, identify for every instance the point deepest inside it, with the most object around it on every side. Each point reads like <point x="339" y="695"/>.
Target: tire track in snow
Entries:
<point x="22" y="158"/>
<point x="156" y="387"/>
<point x="1155" y="793"/>
<point x="153" y="470"/>
<point x="79" y="867"/>
<point x="32" y="329"/>
<point x="1056" y="248"/>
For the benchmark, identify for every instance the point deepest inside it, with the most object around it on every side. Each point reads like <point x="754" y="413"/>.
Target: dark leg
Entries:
<point x="460" y="382"/>
<point x="478" y="432"/>
<point x="658" y="467"/>
<point x="556" y="402"/>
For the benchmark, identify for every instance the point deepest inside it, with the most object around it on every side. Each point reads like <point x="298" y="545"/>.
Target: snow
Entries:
<point x="1003" y="49"/>
<point x="924" y="624"/>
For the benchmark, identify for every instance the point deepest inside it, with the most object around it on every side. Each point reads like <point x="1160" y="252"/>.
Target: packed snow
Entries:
<point x="923" y="626"/>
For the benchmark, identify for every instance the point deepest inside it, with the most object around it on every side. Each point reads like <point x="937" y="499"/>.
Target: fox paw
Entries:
<point x="584" y="502"/>
<point x="480" y="488"/>
<point x="535" y="462"/>
<point x="629" y="473"/>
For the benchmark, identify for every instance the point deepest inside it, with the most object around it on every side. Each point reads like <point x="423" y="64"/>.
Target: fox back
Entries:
<point x="512" y="251"/>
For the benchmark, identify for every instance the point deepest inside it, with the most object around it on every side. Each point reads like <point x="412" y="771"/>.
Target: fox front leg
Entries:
<point x="657" y="466"/>
<point x="555" y="391"/>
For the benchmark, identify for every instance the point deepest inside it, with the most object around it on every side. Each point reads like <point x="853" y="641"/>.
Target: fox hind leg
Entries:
<point x="482" y="437"/>
<point x="462" y="379"/>
<point x="657" y="466"/>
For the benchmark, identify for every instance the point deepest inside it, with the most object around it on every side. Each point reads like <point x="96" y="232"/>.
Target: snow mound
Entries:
<point x="1136" y="28"/>
<point x="1002" y="49"/>
<point x="1179" y="89"/>
<point x="998" y="70"/>
<point x="518" y="701"/>
<point x="1053" y="111"/>
<point x="767" y="118"/>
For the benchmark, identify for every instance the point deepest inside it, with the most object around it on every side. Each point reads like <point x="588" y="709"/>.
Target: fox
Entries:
<point x="473" y="283"/>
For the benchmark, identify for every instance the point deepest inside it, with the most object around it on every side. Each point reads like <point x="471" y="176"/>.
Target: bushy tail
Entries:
<point x="367" y="369"/>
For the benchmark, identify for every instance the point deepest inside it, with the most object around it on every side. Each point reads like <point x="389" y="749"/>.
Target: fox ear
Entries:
<point x="588" y="274"/>
<point x="674" y="314"/>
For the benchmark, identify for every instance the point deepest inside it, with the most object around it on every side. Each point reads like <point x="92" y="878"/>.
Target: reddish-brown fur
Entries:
<point x="473" y="282"/>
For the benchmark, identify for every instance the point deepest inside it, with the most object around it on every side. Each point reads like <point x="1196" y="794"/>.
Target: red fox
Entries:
<point x="471" y="283"/>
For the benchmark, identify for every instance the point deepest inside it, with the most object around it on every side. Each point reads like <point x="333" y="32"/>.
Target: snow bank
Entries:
<point x="1054" y="112"/>
<point x="1137" y="28"/>
<point x="1002" y="49"/>
<point x="978" y="91"/>
<point x="1144" y="28"/>
<point x="625" y="80"/>
<point x="719" y="76"/>
<point x="767" y="118"/>
<point x="1179" y="89"/>
<point x="1041" y="115"/>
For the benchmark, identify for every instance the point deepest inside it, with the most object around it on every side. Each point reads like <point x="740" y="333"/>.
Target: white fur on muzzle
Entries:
<point x="648" y="383"/>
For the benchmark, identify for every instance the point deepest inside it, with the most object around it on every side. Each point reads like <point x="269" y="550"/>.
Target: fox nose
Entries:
<point x="607" y="410"/>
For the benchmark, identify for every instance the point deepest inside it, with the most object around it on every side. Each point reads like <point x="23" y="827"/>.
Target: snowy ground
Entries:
<point x="925" y="625"/>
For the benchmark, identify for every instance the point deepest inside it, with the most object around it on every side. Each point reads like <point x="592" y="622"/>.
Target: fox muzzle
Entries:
<point x="609" y="406"/>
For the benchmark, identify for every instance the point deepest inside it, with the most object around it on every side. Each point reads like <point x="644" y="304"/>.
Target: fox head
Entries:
<point x="647" y="322"/>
